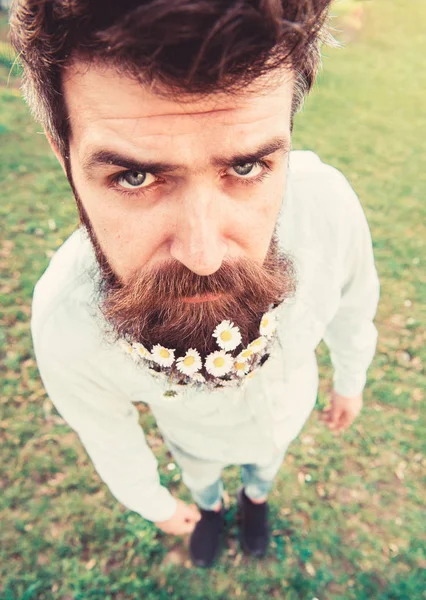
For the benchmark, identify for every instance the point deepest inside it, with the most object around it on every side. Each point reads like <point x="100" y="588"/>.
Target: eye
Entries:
<point x="253" y="169"/>
<point x="135" y="179"/>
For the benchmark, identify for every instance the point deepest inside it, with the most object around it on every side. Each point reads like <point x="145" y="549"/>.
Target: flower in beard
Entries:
<point x="218" y="363"/>
<point x="258" y="344"/>
<point x="128" y="349"/>
<point x="268" y="324"/>
<point x="190" y="363"/>
<point x="163" y="356"/>
<point x="241" y="368"/>
<point x="245" y="354"/>
<point x="141" y="351"/>
<point x="227" y="335"/>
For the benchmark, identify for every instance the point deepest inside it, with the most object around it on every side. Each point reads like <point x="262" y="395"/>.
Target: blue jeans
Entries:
<point x="204" y="477"/>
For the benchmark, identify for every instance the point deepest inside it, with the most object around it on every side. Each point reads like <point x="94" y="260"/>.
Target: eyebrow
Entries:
<point x="100" y="158"/>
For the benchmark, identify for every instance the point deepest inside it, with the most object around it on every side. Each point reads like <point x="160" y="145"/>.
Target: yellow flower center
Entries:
<point x="256" y="342"/>
<point x="239" y="366"/>
<point x="219" y="362"/>
<point x="246" y="353"/>
<point x="225" y="336"/>
<point x="164" y="353"/>
<point x="189" y="361"/>
<point x="265" y="322"/>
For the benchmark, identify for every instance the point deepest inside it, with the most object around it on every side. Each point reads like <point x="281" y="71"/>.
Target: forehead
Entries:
<point x="104" y="106"/>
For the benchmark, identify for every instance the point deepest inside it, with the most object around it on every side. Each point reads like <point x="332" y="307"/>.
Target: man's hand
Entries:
<point x="342" y="411"/>
<point x="183" y="521"/>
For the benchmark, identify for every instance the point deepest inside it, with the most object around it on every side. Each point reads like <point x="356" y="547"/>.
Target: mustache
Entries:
<point x="150" y="304"/>
<point x="172" y="281"/>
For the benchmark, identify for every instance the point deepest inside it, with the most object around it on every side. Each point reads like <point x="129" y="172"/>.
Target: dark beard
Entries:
<point x="149" y="308"/>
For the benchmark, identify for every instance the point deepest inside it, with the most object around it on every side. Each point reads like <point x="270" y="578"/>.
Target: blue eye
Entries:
<point x="135" y="179"/>
<point x="244" y="169"/>
<point x="251" y="172"/>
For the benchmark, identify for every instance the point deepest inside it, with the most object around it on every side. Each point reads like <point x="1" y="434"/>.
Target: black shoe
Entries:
<point x="205" y="542"/>
<point x="254" y="528"/>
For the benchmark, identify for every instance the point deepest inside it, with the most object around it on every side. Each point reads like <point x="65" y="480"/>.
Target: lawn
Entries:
<point x="347" y="511"/>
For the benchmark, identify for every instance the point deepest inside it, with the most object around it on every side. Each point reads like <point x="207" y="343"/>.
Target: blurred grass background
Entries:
<point x="347" y="511"/>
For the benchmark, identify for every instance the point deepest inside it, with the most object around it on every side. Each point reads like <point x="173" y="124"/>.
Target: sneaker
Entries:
<point x="254" y="527"/>
<point x="205" y="542"/>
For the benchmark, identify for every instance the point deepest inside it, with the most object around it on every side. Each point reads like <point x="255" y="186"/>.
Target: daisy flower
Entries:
<point x="163" y="356"/>
<point x="241" y="368"/>
<point x="219" y="363"/>
<point x="227" y="335"/>
<point x="141" y="350"/>
<point x="245" y="355"/>
<point x="267" y="324"/>
<point x="128" y="349"/>
<point x="190" y="363"/>
<point x="258" y="344"/>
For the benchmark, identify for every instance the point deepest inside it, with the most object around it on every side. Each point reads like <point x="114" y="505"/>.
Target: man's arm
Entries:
<point x="108" y="428"/>
<point x="351" y="335"/>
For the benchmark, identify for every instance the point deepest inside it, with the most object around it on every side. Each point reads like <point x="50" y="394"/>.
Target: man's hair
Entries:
<point x="179" y="46"/>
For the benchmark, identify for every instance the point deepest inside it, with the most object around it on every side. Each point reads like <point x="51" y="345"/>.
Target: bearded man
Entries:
<point x="210" y="261"/>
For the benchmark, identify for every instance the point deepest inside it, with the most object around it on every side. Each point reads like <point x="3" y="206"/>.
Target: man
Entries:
<point x="210" y="260"/>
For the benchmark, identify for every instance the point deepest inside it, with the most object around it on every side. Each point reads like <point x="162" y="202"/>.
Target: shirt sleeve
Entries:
<point x="107" y="424"/>
<point x="351" y="335"/>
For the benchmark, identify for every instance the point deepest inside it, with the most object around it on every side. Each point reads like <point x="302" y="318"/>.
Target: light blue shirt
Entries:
<point x="94" y="384"/>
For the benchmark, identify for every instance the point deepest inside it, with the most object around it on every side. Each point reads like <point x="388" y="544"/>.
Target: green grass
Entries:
<point x="355" y="530"/>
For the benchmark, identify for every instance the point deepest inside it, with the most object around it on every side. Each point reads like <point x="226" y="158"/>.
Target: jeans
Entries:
<point x="204" y="477"/>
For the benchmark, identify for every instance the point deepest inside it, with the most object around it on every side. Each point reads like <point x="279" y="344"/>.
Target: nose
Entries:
<point x="198" y="241"/>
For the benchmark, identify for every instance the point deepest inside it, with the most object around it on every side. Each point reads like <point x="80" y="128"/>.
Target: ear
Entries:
<point x="55" y="149"/>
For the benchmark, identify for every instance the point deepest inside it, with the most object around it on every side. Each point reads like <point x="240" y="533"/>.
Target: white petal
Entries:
<point x="232" y="343"/>
<point x="258" y="344"/>
<point x="235" y="335"/>
<point x="164" y="361"/>
<point x="223" y="369"/>
<point x="241" y="358"/>
<point x="189" y="369"/>
<point x="141" y="350"/>
<point x="125" y="346"/>
<point x="267" y="328"/>
<point x="242" y="371"/>
<point x="222" y="326"/>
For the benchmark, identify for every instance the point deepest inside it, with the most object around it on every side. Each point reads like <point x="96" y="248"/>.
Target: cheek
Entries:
<point x="273" y="195"/>
<point x="253" y="222"/>
<point x="128" y="234"/>
<point x="269" y="200"/>
<point x="131" y="238"/>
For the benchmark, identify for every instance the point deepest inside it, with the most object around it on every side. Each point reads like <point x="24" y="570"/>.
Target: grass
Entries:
<point x="354" y="528"/>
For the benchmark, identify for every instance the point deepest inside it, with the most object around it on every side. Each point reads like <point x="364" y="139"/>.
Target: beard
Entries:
<point x="150" y="309"/>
